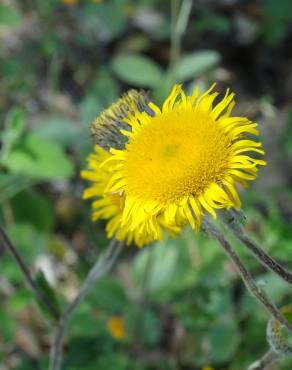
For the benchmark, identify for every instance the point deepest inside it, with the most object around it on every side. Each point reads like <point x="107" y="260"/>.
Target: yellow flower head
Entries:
<point x="116" y="328"/>
<point x="180" y="161"/>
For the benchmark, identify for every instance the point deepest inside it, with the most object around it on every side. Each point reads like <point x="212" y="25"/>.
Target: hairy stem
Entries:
<point x="6" y="243"/>
<point x="247" y="278"/>
<point x="265" y="362"/>
<point x="57" y="346"/>
<point x="232" y="223"/>
<point x="179" y="20"/>
<point x="102" y="265"/>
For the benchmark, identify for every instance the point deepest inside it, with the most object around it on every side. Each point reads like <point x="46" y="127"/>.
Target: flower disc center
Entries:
<point x="174" y="155"/>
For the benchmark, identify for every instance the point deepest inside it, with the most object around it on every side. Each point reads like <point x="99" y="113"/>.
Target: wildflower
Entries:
<point x="116" y="327"/>
<point x="181" y="160"/>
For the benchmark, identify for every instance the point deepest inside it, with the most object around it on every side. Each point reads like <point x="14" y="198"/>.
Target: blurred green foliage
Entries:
<point x="183" y="305"/>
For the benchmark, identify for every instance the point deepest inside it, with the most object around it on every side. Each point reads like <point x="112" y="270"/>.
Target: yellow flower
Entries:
<point x="109" y="206"/>
<point x="181" y="161"/>
<point x="116" y="327"/>
<point x="207" y="368"/>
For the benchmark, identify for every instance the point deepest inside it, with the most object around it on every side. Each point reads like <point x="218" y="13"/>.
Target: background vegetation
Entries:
<point x="173" y="305"/>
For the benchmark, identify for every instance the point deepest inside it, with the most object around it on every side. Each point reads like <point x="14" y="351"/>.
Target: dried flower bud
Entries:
<point x="105" y="130"/>
<point x="278" y="337"/>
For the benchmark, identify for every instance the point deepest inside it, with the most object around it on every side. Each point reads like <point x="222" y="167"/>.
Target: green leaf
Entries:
<point x="162" y="91"/>
<point x="48" y="292"/>
<point x="33" y="208"/>
<point x="275" y="12"/>
<point x="9" y="16"/>
<point x="104" y="81"/>
<point x="11" y="184"/>
<point x="156" y="268"/>
<point x="14" y="128"/>
<point x="90" y="108"/>
<point x="137" y="70"/>
<point x="20" y="299"/>
<point x="96" y="351"/>
<point x="7" y="326"/>
<point x="85" y="315"/>
<point x="116" y="360"/>
<point x="96" y="100"/>
<point x="40" y="159"/>
<point x="147" y="325"/>
<point x="214" y="22"/>
<point x="29" y="241"/>
<point x="58" y="130"/>
<point x="276" y="20"/>
<point x="195" y="64"/>
<point x="223" y="340"/>
<point x="109" y="294"/>
<point x="106" y="17"/>
<point x="112" y="14"/>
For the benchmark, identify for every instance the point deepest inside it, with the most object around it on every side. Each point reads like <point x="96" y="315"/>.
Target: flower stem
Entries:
<point x="247" y="278"/>
<point x="102" y="265"/>
<point x="5" y="241"/>
<point x="265" y="362"/>
<point x="179" y="20"/>
<point x="230" y="219"/>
